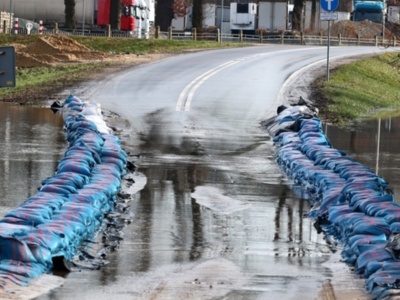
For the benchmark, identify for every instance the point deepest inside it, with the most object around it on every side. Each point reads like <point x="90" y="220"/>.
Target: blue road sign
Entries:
<point x="329" y="5"/>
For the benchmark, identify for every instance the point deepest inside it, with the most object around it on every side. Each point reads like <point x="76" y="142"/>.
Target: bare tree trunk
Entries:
<point x="313" y="14"/>
<point x="115" y="14"/>
<point x="70" y="21"/>
<point x="164" y="14"/>
<point x="297" y="15"/>
<point x="197" y="15"/>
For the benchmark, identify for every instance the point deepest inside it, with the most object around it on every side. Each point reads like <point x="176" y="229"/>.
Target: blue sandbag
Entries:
<point x="389" y="279"/>
<point x="84" y="170"/>
<point x="64" y="189"/>
<point x="379" y="253"/>
<point x="32" y="217"/>
<point x="12" y="248"/>
<point x="80" y="147"/>
<point x="385" y="293"/>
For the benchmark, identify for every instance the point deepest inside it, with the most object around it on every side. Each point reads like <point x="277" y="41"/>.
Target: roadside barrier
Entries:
<point x="71" y="206"/>
<point x="349" y="202"/>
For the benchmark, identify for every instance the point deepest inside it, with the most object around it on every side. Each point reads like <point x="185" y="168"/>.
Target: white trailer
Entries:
<point x="209" y="15"/>
<point x="243" y="16"/>
<point x="274" y="15"/>
<point x="50" y="11"/>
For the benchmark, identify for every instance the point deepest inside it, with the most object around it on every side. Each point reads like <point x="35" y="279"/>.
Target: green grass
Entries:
<point x="368" y="88"/>
<point x="40" y="83"/>
<point x="142" y="46"/>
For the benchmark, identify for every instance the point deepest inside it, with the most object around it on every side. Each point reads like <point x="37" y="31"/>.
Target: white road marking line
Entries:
<point x="186" y="96"/>
<point x="201" y="81"/>
<point x="182" y="95"/>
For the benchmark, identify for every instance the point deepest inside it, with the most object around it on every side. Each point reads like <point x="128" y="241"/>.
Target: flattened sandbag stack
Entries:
<point x="349" y="202"/>
<point x="71" y="205"/>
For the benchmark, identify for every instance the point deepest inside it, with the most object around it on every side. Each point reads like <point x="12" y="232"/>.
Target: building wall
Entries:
<point x="5" y="19"/>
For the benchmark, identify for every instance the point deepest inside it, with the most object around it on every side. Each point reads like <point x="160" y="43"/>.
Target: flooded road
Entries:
<point x="216" y="218"/>
<point x="225" y="225"/>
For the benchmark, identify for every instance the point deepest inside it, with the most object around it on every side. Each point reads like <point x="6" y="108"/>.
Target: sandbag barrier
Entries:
<point x="62" y="220"/>
<point x="350" y="204"/>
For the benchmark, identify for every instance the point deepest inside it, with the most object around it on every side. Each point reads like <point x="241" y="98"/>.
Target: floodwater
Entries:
<point x="31" y="144"/>
<point x="221" y="226"/>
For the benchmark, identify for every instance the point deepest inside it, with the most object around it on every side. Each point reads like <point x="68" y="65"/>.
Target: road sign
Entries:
<point x="29" y="27"/>
<point x="7" y="66"/>
<point x="329" y="5"/>
<point x="328" y="16"/>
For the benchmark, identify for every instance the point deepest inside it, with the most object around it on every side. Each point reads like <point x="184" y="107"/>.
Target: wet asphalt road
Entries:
<point x="216" y="219"/>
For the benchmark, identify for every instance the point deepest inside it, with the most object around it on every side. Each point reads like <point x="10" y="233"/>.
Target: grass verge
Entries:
<point x="367" y="88"/>
<point x="41" y="83"/>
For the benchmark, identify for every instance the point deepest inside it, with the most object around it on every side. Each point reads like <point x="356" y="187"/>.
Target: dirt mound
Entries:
<point x="364" y="29"/>
<point x="54" y="50"/>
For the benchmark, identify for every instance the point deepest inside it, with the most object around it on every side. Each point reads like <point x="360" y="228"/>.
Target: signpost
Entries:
<point x="327" y="14"/>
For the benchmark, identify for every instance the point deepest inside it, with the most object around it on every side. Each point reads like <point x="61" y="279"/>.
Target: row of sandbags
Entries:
<point x="349" y="202"/>
<point x="69" y="206"/>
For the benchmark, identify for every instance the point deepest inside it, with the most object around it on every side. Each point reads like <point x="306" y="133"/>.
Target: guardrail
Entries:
<point x="284" y="38"/>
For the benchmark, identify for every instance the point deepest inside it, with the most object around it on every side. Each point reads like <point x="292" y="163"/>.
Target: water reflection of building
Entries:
<point x="374" y="143"/>
<point x="31" y="144"/>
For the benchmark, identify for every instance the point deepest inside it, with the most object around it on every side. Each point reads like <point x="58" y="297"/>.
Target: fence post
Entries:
<point x="320" y="38"/>
<point x="241" y="36"/>
<point x="376" y="41"/>
<point x="358" y="39"/>
<point x="4" y="26"/>
<point x="194" y="34"/>
<point x="218" y="35"/>
<point x="40" y="27"/>
<point x="282" y="37"/>
<point x="108" y="31"/>
<point x="340" y="39"/>
<point x="55" y="28"/>
<point x="16" y="26"/>
<point x="301" y="38"/>
<point x="170" y="33"/>
<point x="157" y="33"/>
<point x="260" y="36"/>
<point x="394" y="41"/>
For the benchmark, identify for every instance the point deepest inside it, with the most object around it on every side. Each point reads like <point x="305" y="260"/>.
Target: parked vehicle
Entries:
<point x="373" y="11"/>
<point x="134" y="15"/>
<point x="243" y="17"/>
<point x="274" y="16"/>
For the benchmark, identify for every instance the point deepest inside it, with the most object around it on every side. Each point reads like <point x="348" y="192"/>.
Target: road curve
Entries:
<point x="216" y="218"/>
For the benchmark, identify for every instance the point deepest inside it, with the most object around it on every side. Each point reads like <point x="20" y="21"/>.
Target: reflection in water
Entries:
<point x="31" y="143"/>
<point x="374" y="143"/>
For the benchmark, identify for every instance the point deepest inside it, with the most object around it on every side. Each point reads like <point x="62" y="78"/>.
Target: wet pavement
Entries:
<point x="224" y="225"/>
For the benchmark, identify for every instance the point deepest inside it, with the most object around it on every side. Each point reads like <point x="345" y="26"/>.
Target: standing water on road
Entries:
<point x="206" y="225"/>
